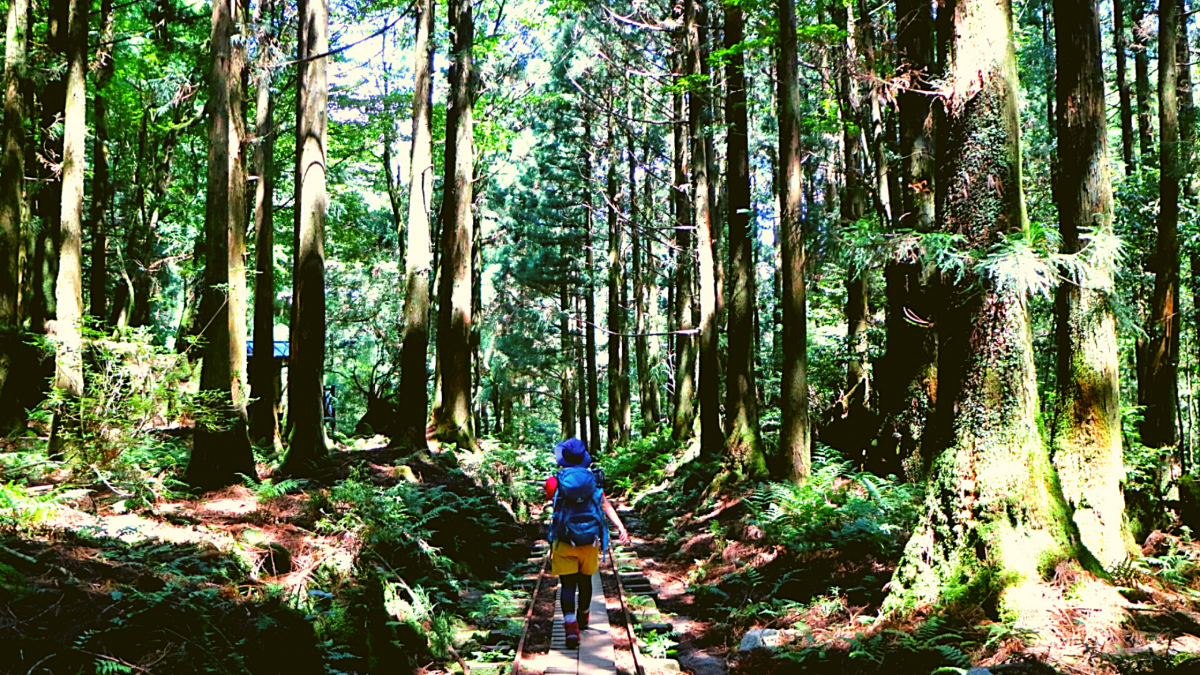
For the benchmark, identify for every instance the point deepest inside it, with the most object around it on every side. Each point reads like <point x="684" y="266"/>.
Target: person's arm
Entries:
<point x="623" y="536"/>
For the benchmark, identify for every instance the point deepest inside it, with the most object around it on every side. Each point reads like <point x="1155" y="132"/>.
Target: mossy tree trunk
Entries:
<point x="309" y="448"/>
<point x="414" y="359"/>
<point x="743" y="448"/>
<point x="994" y="517"/>
<point x="452" y="416"/>
<point x="221" y="448"/>
<point x="1086" y="437"/>
<point x="795" y="438"/>
<point x="1159" y="351"/>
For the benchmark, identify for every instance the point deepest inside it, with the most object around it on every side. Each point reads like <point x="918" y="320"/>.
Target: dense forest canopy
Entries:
<point x="940" y="246"/>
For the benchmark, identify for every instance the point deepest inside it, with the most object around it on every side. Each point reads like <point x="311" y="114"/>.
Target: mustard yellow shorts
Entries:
<point x="568" y="559"/>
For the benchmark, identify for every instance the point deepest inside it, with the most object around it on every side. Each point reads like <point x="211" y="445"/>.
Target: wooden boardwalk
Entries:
<point x="595" y="654"/>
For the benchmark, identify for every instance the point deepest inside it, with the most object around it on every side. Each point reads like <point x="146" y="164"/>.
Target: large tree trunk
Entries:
<point x="908" y="377"/>
<point x="12" y="196"/>
<point x="743" y="448"/>
<point x="648" y="293"/>
<point x="264" y="408"/>
<point x="794" y="433"/>
<point x="647" y="389"/>
<point x="414" y="365"/>
<point x="1159" y="351"/>
<point x="712" y="438"/>
<point x="68" y="376"/>
<point x="618" y="376"/>
<point x="1141" y="69"/>
<point x="1086" y="438"/>
<point x="222" y="445"/>
<point x="308" y="448"/>
<point x="994" y="518"/>
<point x="101" y="187"/>
<point x="1120" y="45"/>
<point x="683" y="412"/>
<point x="452" y="418"/>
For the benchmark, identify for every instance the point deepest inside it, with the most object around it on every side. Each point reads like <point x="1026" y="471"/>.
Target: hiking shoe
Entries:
<point x="572" y="630"/>
<point x="583" y="621"/>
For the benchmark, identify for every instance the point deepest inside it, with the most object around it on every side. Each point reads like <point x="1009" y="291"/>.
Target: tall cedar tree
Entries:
<point x="639" y="244"/>
<point x="68" y="365"/>
<point x="452" y="415"/>
<point x="12" y="195"/>
<point x="618" y="373"/>
<point x="993" y="511"/>
<point x="1124" y="97"/>
<point x="593" y="377"/>
<point x="414" y="364"/>
<point x="648" y="304"/>
<point x="743" y="446"/>
<point x="1086" y="438"/>
<point x="795" y="438"/>
<point x="264" y="408"/>
<point x="712" y="439"/>
<point x="309" y="448"/>
<point x="566" y="377"/>
<point x="683" y="413"/>
<point x="221" y="449"/>
<point x="908" y="377"/>
<point x="1141" y="69"/>
<point x="1158" y="353"/>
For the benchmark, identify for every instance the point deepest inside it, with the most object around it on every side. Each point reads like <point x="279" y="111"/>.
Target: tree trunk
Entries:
<point x="794" y="433"/>
<point x="683" y="414"/>
<point x="1120" y="45"/>
<point x="221" y="448"/>
<point x="68" y="377"/>
<point x="743" y="449"/>
<point x="712" y="438"/>
<point x="566" y="364"/>
<point x="581" y="375"/>
<point x="648" y="286"/>
<point x="618" y="377"/>
<point x="593" y="376"/>
<point x="12" y="196"/>
<point x="908" y="377"/>
<point x="414" y="365"/>
<point x="646" y="387"/>
<point x="853" y="204"/>
<point x="1159" y="351"/>
<point x="101" y="188"/>
<point x="308" y="448"/>
<point x="1189" y="184"/>
<point x="1141" y="69"/>
<point x="452" y="419"/>
<point x="1086" y="437"/>
<point x="264" y="408"/>
<point x="994" y="518"/>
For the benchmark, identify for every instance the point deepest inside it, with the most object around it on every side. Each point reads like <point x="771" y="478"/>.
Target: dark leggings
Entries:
<point x="569" y="583"/>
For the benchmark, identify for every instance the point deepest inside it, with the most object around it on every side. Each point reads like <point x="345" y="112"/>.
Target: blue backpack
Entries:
<point x="578" y="519"/>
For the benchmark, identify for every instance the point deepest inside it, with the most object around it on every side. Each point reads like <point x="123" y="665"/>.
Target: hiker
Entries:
<point x="578" y="534"/>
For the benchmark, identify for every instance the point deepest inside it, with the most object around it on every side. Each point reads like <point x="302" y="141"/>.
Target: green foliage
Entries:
<point x="21" y="509"/>
<point x="642" y="464"/>
<point x="836" y="508"/>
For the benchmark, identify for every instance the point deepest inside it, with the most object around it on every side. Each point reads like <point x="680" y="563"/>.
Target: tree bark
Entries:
<point x="414" y="366"/>
<point x="994" y="518"/>
<point x="648" y="286"/>
<point x="1141" y="69"/>
<point x="68" y="377"/>
<point x="618" y="376"/>
<point x="308" y="449"/>
<point x="593" y="376"/>
<point x="12" y="197"/>
<point x="1159" y="351"/>
<point x="566" y="364"/>
<point x="221" y="447"/>
<point x="743" y="448"/>
<point x="264" y="408"/>
<point x="581" y="375"/>
<point x="1086" y="437"/>
<point x="795" y="436"/>
<point x="1120" y="46"/>
<point x="712" y="438"/>
<point x="683" y="411"/>
<point x="452" y="419"/>
<point x="647" y="394"/>
<point x="101" y="188"/>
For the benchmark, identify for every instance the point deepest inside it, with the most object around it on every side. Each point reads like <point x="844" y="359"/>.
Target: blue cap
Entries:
<point x="572" y="452"/>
